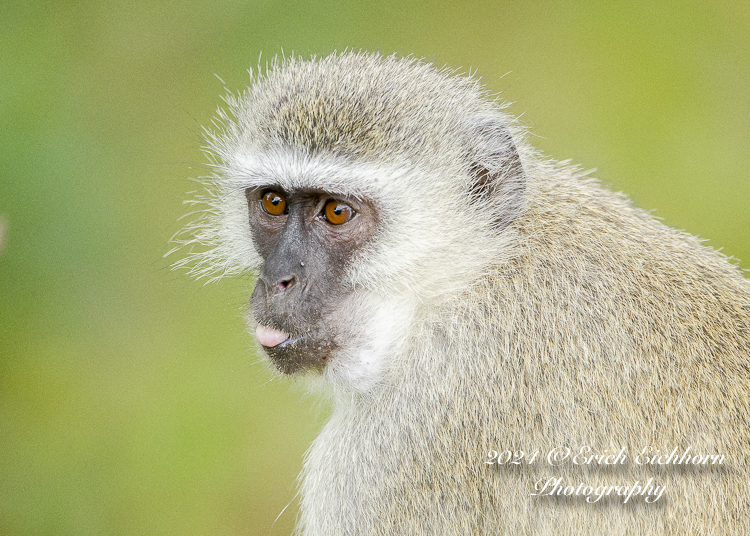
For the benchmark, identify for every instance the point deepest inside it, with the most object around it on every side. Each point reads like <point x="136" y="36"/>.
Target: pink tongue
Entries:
<point x="270" y="337"/>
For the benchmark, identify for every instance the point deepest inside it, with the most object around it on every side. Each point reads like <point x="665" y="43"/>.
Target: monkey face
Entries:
<point x="306" y="239"/>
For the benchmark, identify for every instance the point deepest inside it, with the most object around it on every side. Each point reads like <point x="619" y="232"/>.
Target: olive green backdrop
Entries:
<point x="130" y="399"/>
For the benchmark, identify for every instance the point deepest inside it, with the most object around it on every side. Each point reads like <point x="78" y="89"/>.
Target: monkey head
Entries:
<point x="359" y="188"/>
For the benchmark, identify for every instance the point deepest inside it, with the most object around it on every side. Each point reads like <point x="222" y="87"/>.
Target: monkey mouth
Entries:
<point x="294" y="353"/>
<point x="271" y="338"/>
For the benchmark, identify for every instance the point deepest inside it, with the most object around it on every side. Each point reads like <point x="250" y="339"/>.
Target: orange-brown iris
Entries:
<point x="274" y="203"/>
<point x="337" y="213"/>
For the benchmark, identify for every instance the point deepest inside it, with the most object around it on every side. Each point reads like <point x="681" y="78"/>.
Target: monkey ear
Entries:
<point x="497" y="179"/>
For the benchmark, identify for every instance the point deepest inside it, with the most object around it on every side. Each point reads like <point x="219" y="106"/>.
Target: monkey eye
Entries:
<point x="337" y="213"/>
<point x="273" y="203"/>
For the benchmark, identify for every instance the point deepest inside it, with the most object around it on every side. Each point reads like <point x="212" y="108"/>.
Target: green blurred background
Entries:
<point x="130" y="399"/>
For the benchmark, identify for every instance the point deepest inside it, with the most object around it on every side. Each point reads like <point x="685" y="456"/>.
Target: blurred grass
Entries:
<point x="130" y="400"/>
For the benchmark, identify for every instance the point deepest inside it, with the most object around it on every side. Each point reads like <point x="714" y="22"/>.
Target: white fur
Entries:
<point x="381" y="327"/>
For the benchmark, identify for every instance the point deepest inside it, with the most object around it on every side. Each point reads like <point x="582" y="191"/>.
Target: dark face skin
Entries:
<point x="307" y="238"/>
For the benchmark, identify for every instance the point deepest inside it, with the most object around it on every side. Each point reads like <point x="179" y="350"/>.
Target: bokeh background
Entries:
<point x="131" y="401"/>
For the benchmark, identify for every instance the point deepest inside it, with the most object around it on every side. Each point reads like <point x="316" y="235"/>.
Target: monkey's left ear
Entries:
<point x="497" y="179"/>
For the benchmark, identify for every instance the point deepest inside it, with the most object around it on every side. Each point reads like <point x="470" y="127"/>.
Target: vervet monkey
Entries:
<point x="475" y="309"/>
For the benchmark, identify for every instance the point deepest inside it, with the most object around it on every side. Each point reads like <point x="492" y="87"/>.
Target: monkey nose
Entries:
<point x="284" y="284"/>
